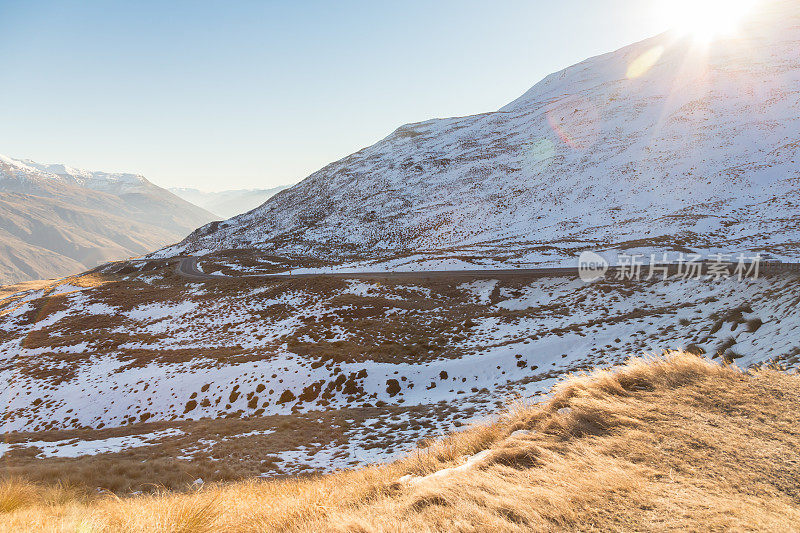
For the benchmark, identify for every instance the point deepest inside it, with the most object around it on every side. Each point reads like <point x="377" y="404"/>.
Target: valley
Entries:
<point x="577" y="311"/>
<point x="58" y="221"/>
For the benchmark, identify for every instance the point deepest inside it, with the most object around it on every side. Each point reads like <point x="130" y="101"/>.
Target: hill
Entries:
<point x="274" y="376"/>
<point x="230" y="203"/>
<point x="664" y="145"/>
<point x="673" y="444"/>
<point x="56" y="220"/>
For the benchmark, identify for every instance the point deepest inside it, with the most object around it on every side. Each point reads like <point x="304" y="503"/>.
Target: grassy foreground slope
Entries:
<point x="667" y="444"/>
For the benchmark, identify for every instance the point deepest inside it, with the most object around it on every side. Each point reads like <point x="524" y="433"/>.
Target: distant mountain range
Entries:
<point x="230" y="203"/>
<point x="56" y="220"/>
<point x="666" y="145"/>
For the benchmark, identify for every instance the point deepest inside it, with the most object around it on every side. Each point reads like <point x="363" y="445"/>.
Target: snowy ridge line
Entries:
<point x="696" y="153"/>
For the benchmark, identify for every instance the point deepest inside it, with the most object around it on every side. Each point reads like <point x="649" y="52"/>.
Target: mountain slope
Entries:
<point x="227" y="203"/>
<point x="662" y="145"/>
<point x="56" y="221"/>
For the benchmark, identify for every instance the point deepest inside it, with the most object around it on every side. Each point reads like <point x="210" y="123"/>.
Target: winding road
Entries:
<point x="187" y="267"/>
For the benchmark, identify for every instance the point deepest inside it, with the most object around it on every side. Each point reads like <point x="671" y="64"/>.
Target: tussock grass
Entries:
<point x="16" y="493"/>
<point x="754" y="324"/>
<point x="673" y="443"/>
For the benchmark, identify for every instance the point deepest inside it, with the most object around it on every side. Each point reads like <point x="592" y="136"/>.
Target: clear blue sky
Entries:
<point x="219" y="95"/>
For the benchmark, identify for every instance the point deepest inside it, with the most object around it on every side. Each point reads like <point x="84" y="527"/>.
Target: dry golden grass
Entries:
<point x="9" y="290"/>
<point x="15" y="293"/>
<point x="667" y="444"/>
<point x="90" y="279"/>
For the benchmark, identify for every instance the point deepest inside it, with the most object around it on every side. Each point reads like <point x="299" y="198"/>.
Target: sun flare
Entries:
<point x="706" y="20"/>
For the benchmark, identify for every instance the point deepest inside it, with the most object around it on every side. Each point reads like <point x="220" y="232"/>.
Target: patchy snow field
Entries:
<point x="80" y="447"/>
<point x="143" y="350"/>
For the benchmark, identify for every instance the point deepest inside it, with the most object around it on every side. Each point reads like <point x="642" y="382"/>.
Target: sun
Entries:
<point x="706" y="20"/>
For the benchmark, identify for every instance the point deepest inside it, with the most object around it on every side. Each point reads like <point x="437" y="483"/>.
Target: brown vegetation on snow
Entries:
<point x="666" y="444"/>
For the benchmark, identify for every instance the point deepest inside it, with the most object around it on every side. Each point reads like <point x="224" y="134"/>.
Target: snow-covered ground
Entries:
<point x="80" y="447"/>
<point x="136" y="351"/>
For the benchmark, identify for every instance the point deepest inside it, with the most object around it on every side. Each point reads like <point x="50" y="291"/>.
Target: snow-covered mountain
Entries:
<point x="666" y="145"/>
<point x="55" y="220"/>
<point x="227" y="203"/>
<point x="117" y="183"/>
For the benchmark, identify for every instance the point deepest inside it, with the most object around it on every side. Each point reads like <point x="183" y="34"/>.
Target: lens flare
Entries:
<point x="542" y="149"/>
<point x="642" y="64"/>
<point x="538" y="155"/>
<point x="576" y="121"/>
